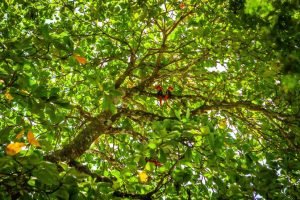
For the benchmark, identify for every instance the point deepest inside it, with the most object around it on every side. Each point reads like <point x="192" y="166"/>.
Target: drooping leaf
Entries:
<point x="14" y="148"/>
<point x="32" y="140"/>
<point x="20" y="134"/>
<point x="80" y="59"/>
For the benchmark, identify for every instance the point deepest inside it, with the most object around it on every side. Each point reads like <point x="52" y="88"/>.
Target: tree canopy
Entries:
<point x="149" y="99"/>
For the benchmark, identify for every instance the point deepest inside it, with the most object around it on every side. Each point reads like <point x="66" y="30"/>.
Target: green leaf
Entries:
<point x="46" y="173"/>
<point x="7" y="164"/>
<point x="150" y="166"/>
<point x="108" y="104"/>
<point x="178" y="114"/>
<point x="205" y="130"/>
<point x="61" y="193"/>
<point x="188" y="113"/>
<point x="230" y="127"/>
<point x="182" y="176"/>
<point x="116" y="173"/>
<point x="4" y="133"/>
<point x="152" y="145"/>
<point x="188" y="154"/>
<point x="162" y="156"/>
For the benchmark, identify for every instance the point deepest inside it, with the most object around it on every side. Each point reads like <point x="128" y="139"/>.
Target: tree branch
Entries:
<point x="143" y="115"/>
<point x="82" y="141"/>
<point x="86" y="170"/>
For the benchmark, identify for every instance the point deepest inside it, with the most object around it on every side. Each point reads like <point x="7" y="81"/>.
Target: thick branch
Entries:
<point x="241" y="104"/>
<point x="143" y="115"/>
<point x="127" y="72"/>
<point x="86" y="170"/>
<point x="82" y="141"/>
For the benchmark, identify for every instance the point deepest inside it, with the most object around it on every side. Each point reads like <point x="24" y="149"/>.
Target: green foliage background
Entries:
<point x="229" y="131"/>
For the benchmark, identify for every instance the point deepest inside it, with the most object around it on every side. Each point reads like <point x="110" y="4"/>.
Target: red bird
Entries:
<point x="155" y="162"/>
<point x="159" y="94"/>
<point x="169" y="93"/>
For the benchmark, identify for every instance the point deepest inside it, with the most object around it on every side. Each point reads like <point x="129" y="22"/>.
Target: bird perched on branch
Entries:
<point x="154" y="161"/>
<point x="168" y="93"/>
<point x="163" y="97"/>
<point x="159" y="94"/>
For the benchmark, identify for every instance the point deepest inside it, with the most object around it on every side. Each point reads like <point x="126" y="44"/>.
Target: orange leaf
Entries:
<point x="80" y="59"/>
<point x="14" y="148"/>
<point x="32" y="140"/>
<point x="182" y="6"/>
<point x="20" y="135"/>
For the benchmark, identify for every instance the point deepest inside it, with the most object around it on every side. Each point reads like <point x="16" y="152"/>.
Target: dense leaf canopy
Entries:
<point x="80" y="95"/>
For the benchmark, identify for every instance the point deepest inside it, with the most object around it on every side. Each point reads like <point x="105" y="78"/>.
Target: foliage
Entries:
<point x="80" y="115"/>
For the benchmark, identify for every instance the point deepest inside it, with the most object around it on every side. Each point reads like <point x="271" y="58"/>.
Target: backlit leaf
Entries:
<point x="20" y="134"/>
<point x="80" y="59"/>
<point x="143" y="176"/>
<point x="25" y="92"/>
<point x="32" y="140"/>
<point x="182" y="5"/>
<point x="78" y="70"/>
<point x="205" y="130"/>
<point x="14" y="148"/>
<point x="8" y="96"/>
<point x="223" y="124"/>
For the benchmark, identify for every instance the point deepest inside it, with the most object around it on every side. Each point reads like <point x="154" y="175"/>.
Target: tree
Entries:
<point x="80" y="118"/>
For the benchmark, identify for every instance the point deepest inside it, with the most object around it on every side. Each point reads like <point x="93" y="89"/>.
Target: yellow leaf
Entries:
<point x="223" y="124"/>
<point x="8" y="96"/>
<point x="20" y="135"/>
<point x="32" y="140"/>
<point x="25" y="92"/>
<point x="205" y="130"/>
<point x="143" y="176"/>
<point x="14" y="148"/>
<point x="130" y="84"/>
<point x="80" y="59"/>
